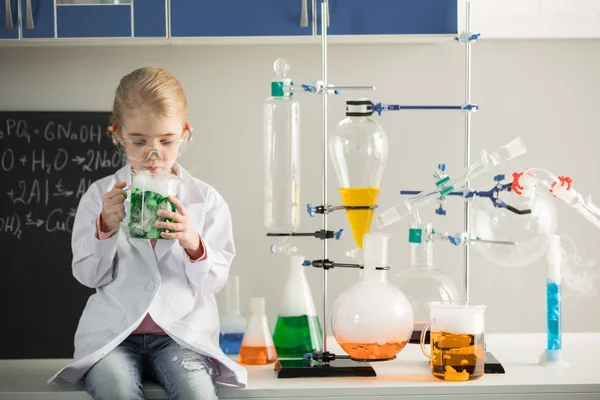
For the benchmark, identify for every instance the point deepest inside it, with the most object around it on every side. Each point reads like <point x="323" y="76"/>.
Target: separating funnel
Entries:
<point x="358" y="150"/>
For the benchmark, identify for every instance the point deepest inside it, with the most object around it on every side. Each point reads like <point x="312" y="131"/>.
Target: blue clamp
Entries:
<point x="442" y="167"/>
<point x="471" y="37"/>
<point x="339" y="234"/>
<point x="474" y="37"/>
<point x="469" y="194"/>
<point x="470" y="107"/>
<point x="380" y="107"/>
<point x="308" y="356"/>
<point x="454" y="240"/>
<point x="312" y="89"/>
<point x="312" y="210"/>
<point x="306" y="263"/>
<point x="440" y="211"/>
<point x="499" y="178"/>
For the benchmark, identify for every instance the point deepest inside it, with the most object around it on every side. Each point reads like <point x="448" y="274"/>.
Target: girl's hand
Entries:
<point x="113" y="208"/>
<point x="183" y="230"/>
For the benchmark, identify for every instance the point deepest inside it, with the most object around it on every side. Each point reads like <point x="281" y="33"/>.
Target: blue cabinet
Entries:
<point x="97" y="19"/>
<point x="9" y="18"/>
<point x="37" y="19"/>
<point x="226" y="18"/>
<point x="391" y="17"/>
<point x="94" y="20"/>
<point x="147" y="18"/>
<point x="150" y="19"/>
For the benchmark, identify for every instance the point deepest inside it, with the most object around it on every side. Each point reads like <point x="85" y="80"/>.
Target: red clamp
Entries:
<point x="564" y="180"/>
<point x="515" y="187"/>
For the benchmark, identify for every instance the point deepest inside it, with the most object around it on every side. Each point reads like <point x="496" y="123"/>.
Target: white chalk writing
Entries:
<point x="44" y="177"/>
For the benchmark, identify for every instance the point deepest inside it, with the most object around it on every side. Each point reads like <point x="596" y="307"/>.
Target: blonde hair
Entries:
<point x="149" y="91"/>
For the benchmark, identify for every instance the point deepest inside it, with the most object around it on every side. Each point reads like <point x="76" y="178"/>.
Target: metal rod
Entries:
<point x="430" y="108"/>
<point x="314" y="17"/>
<point x="351" y="87"/>
<point x="467" y="150"/>
<point x="416" y="192"/>
<point x="324" y="99"/>
<point x="498" y="242"/>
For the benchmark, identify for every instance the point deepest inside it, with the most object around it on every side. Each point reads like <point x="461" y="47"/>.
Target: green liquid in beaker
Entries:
<point x="143" y="217"/>
<point x="296" y="336"/>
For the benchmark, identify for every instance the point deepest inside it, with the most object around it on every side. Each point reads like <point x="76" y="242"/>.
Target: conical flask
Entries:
<point x="373" y="319"/>
<point x="422" y="283"/>
<point x="233" y="323"/>
<point x="358" y="150"/>
<point x="298" y="330"/>
<point x="257" y="346"/>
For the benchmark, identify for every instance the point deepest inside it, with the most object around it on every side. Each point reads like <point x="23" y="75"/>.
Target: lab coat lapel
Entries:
<point x="162" y="246"/>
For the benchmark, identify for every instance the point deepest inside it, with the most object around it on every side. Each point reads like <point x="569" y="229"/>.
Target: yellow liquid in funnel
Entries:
<point x="360" y="220"/>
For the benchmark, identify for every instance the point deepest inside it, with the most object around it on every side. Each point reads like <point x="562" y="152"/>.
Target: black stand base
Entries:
<point x="492" y="365"/>
<point x="415" y="338"/>
<point x="298" y="368"/>
<point x="345" y="367"/>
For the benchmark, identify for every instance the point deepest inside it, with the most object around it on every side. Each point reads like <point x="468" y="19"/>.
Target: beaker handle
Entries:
<point x="422" y="340"/>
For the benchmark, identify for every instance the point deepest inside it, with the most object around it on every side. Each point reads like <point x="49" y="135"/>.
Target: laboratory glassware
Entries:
<point x="457" y="341"/>
<point x="298" y="330"/>
<point x="257" y="345"/>
<point x="373" y="320"/>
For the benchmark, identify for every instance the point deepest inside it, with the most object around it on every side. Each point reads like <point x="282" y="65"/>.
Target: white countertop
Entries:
<point x="407" y="377"/>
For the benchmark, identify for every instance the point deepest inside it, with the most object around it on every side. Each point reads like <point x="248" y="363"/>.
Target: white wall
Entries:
<point x="544" y="91"/>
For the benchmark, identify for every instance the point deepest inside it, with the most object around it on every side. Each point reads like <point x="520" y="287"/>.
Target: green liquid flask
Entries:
<point x="298" y="330"/>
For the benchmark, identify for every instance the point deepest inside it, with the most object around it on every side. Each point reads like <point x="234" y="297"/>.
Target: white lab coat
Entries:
<point x="131" y="279"/>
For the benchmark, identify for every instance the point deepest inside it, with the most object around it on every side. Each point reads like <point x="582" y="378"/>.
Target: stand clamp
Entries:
<point x="322" y="234"/>
<point x="328" y="264"/>
<point x="312" y="210"/>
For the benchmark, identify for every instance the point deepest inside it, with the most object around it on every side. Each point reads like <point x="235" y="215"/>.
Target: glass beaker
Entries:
<point x="148" y="194"/>
<point x="457" y="341"/>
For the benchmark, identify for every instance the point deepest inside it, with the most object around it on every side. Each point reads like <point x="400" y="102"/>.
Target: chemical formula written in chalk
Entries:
<point x="47" y="163"/>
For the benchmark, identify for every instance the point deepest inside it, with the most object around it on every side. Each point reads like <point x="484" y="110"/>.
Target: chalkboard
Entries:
<point x="47" y="162"/>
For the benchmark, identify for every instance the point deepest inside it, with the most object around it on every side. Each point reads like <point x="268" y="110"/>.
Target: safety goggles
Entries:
<point x="147" y="149"/>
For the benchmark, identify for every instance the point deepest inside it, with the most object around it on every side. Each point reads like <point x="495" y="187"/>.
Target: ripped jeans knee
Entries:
<point x="185" y="374"/>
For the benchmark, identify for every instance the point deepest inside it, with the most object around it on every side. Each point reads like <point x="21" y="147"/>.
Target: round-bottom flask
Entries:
<point x="530" y="231"/>
<point x="373" y="320"/>
<point x="422" y="282"/>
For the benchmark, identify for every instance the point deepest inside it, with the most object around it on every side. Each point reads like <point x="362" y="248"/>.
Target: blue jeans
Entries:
<point x="183" y="373"/>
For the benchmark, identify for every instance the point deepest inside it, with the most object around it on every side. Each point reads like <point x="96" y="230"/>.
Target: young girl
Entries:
<point x="154" y="313"/>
